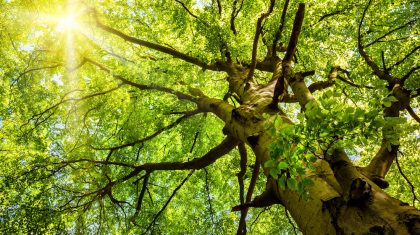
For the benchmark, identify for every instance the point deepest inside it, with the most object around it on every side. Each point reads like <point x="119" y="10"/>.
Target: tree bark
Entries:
<point x="341" y="201"/>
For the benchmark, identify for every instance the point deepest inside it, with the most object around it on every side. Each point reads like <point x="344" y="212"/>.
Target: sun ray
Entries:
<point x="69" y="24"/>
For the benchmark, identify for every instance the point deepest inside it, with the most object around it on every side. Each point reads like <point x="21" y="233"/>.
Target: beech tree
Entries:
<point x="209" y="117"/>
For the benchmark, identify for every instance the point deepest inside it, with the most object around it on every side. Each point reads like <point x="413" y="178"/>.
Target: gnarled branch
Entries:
<point x="286" y="64"/>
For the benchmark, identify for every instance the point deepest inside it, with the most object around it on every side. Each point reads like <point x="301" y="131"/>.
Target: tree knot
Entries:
<point x="360" y="193"/>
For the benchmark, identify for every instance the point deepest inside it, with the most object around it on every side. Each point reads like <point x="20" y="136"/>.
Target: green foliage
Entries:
<point x="48" y="114"/>
<point x="323" y="127"/>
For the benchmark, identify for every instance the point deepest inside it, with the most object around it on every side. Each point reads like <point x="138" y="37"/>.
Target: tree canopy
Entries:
<point x="208" y="116"/>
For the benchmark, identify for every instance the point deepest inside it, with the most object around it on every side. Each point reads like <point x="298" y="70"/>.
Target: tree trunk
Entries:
<point x="363" y="209"/>
<point x="341" y="201"/>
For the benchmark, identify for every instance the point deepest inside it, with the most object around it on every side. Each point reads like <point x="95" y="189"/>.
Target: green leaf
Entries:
<point x="392" y="98"/>
<point x="324" y="134"/>
<point x="270" y="163"/>
<point x="292" y="184"/>
<point x="282" y="165"/>
<point x="274" y="173"/>
<point x="387" y="104"/>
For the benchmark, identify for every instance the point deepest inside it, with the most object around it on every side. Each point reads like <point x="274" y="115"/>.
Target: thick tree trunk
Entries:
<point x="381" y="214"/>
<point x="341" y="201"/>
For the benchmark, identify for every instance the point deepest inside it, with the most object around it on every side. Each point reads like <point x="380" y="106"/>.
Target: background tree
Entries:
<point x="198" y="117"/>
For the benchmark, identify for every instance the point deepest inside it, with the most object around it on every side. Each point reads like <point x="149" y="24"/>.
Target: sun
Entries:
<point x="68" y="22"/>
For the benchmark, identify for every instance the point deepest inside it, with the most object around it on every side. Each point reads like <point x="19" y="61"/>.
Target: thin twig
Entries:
<point x="195" y="140"/>
<point x="259" y="214"/>
<point x="154" y="46"/>
<point x="389" y="32"/>
<point x="167" y="202"/>
<point x="281" y="27"/>
<point x="149" y="137"/>
<point x="256" y="37"/>
<point x="407" y="180"/>
<point x="209" y="198"/>
<point x="186" y="8"/>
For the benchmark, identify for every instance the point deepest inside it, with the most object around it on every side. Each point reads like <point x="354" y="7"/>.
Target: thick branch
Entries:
<point x="297" y="25"/>
<point x="142" y="192"/>
<point x="286" y="71"/>
<point x="198" y="163"/>
<point x="317" y="86"/>
<point x="157" y="47"/>
<point x="219" y="7"/>
<point x="301" y="91"/>
<point x="281" y="85"/>
<point x="381" y="163"/>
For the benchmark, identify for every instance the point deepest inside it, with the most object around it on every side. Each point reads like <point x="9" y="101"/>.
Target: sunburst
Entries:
<point x="68" y="22"/>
